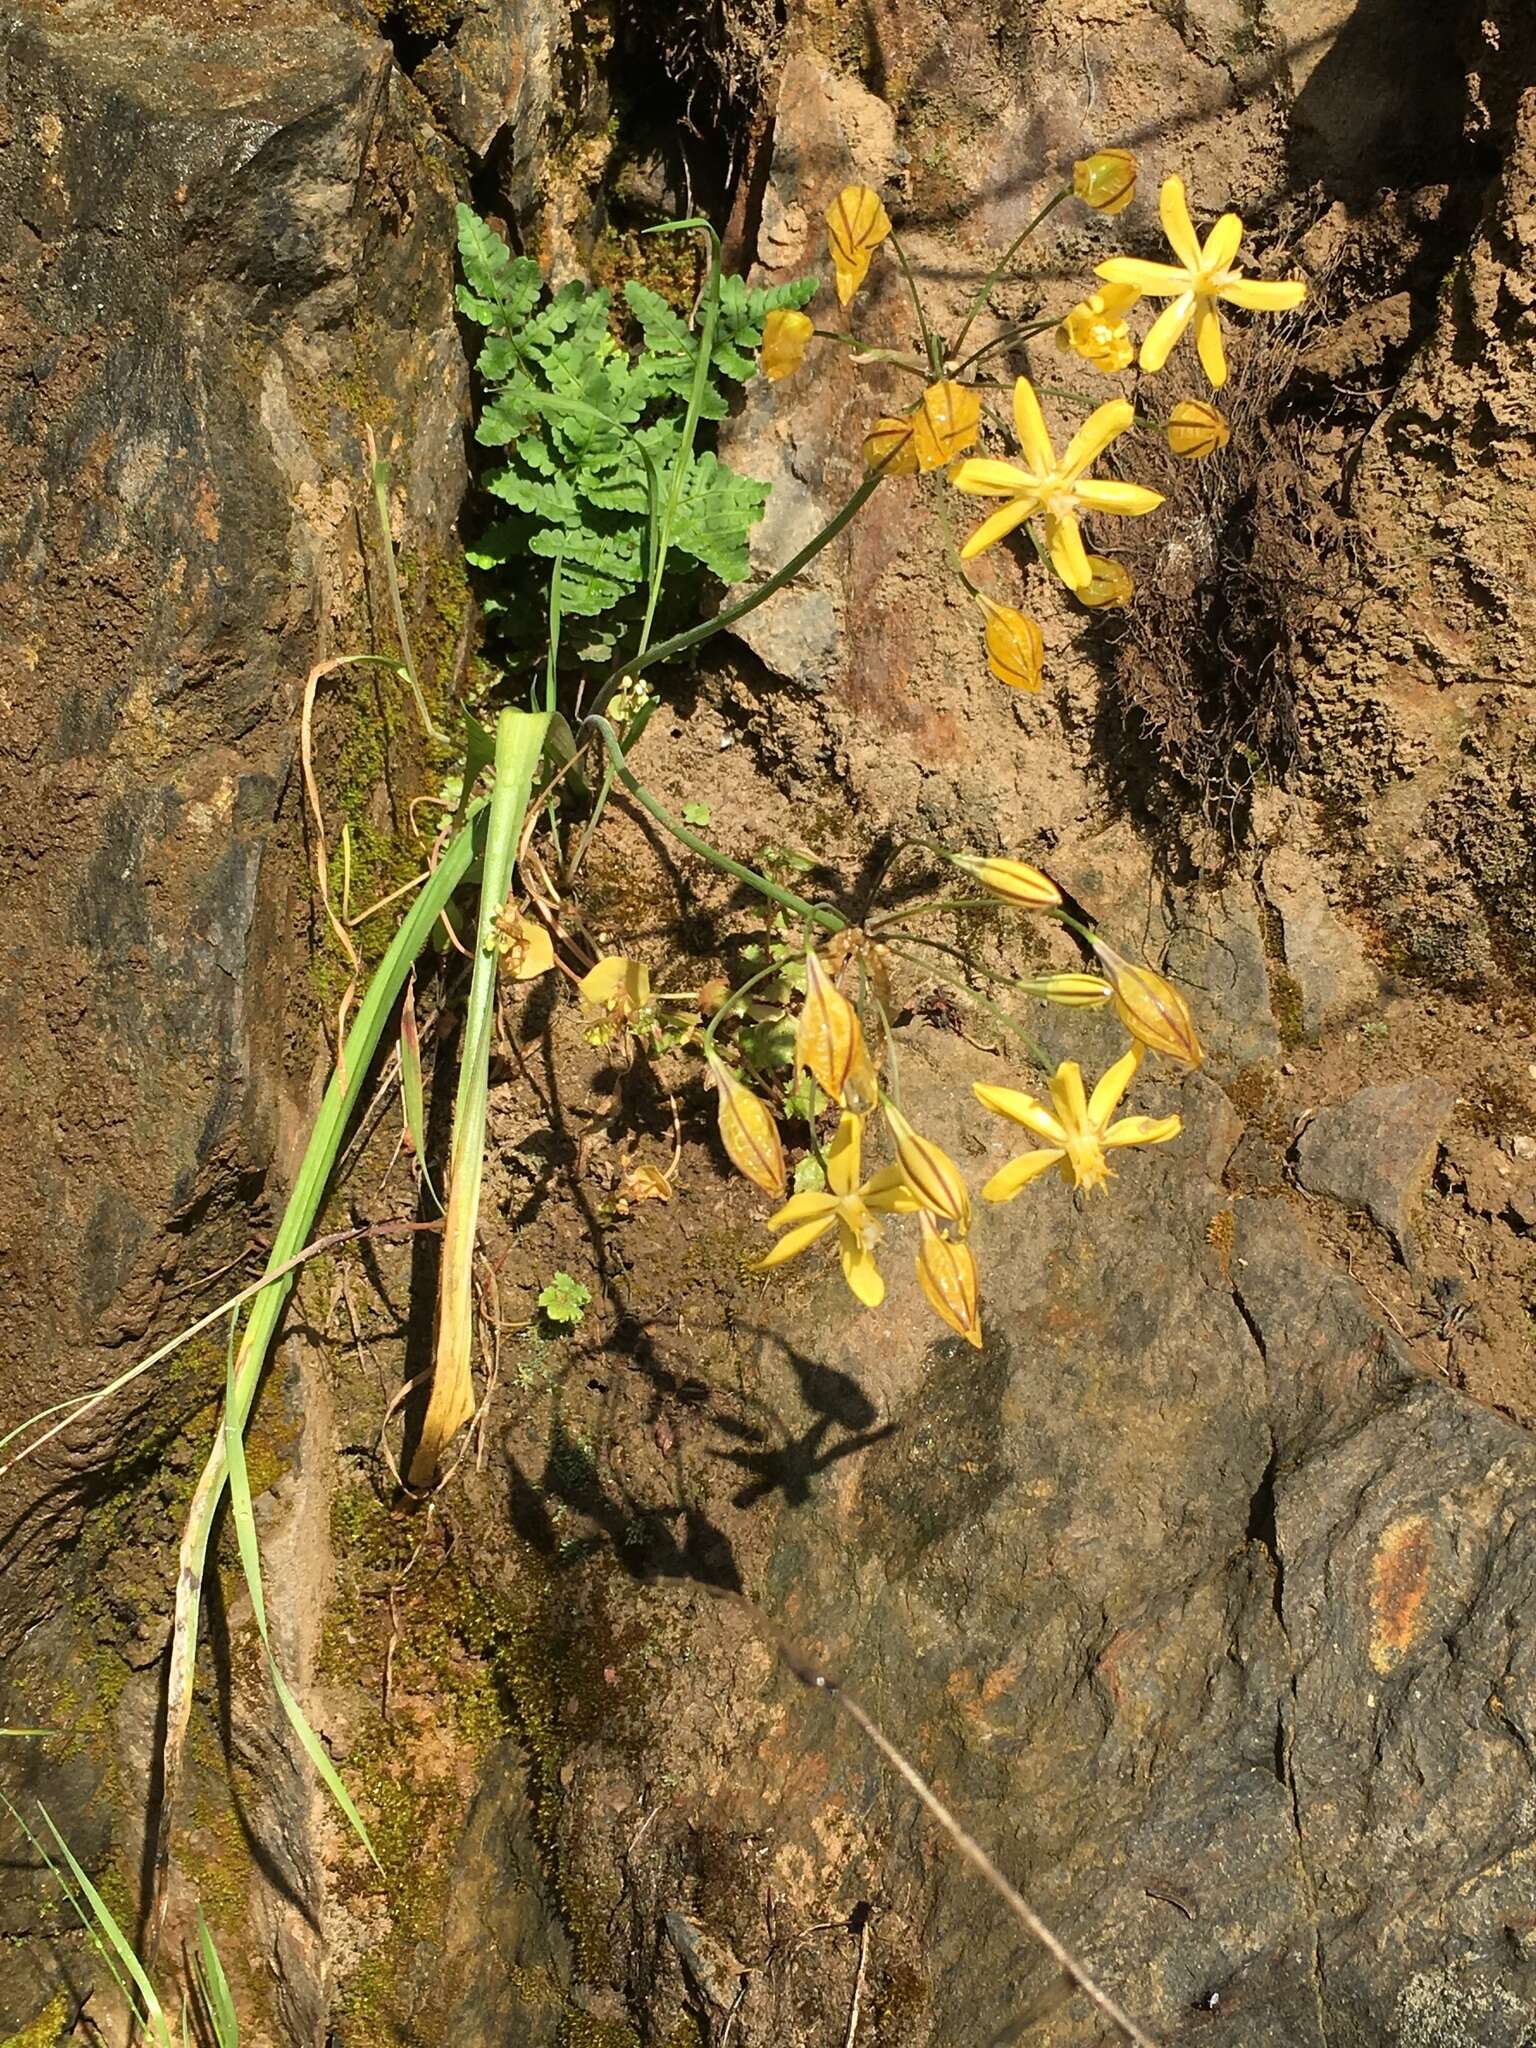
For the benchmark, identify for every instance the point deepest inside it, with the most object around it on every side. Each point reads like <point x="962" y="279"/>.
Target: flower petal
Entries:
<point x="998" y="527"/>
<point x="888" y="1192"/>
<point x="1213" y="358"/>
<point x="1103" y="494"/>
<point x="1221" y="244"/>
<point x="1256" y="295"/>
<point x="1029" y="421"/>
<point x="1018" y="1173"/>
<point x="1064" y="545"/>
<point x="1095" y="435"/>
<point x="1067" y="1097"/>
<point x="1162" y="280"/>
<point x="1173" y="211"/>
<point x="1021" y="1109"/>
<point x="980" y="478"/>
<point x="860" y="1270"/>
<point x="1165" y="331"/>
<point x="843" y="1156"/>
<point x="814" y="1206"/>
<point x="1112" y="1084"/>
<point x="1143" y="1130"/>
<point x="792" y="1244"/>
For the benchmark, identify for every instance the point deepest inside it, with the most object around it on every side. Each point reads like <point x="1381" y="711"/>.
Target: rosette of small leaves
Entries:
<point x="587" y="434"/>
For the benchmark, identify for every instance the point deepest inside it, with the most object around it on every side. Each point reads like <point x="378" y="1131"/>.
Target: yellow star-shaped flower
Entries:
<point x="851" y="1207"/>
<point x="1077" y="1131"/>
<point x="1202" y="277"/>
<point x="1058" y="491"/>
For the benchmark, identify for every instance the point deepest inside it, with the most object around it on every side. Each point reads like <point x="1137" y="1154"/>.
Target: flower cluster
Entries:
<point x="837" y="1084"/>
<point x="1040" y="486"/>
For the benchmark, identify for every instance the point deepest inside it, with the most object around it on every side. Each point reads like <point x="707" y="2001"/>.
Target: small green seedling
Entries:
<point x="564" y="1300"/>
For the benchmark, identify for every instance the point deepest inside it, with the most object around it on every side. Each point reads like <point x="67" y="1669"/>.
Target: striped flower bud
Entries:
<point x="946" y="1272"/>
<point x="1015" y="646"/>
<point x="1150" y="1007"/>
<point x="1106" y="181"/>
<point x="748" y="1131"/>
<point x="1015" y="881"/>
<point x="1196" y="430"/>
<point x="929" y="1172"/>
<point x="829" y="1043"/>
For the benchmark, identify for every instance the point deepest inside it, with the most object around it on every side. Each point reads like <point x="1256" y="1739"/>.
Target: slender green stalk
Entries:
<point x="341" y="1099"/>
<point x="1022" y="330"/>
<point x="912" y="953"/>
<point x="1002" y="264"/>
<point x="519" y="742"/>
<point x="814" y="913"/>
<point x="933" y="348"/>
<point x="679" y="642"/>
<point x="696" y="390"/>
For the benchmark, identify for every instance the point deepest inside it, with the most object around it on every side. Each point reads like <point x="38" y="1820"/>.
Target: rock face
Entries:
<point x="223" y="250"/>
<point x="1192" y="1595"/>
<point x="1375" y="1151"/>
<point x="218" y="250"/>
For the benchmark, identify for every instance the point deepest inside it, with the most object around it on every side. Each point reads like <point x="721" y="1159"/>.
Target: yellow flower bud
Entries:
<point x="829" y="1043"/>
<point x="1108" y="583"/>
<point x="1149" y="1006"/>
<point x="1106" y="181"/>
<point x="945" y="421"/>
<point x="1015" y="881"/>
<point x="785" y="334"/>
<point x="946" y="1272"/>
<point x="1196" y="429"/>
<point x="1015" y="646"/>
<point x="712" y="994"/>
<point x="748" y="1132"/>
<point x="929" y="1172"/>
<point x="857" y="223"/>
<point x="1096" y="329"/>
<point x="891" y="447"/>
<point x="1072" y="991"/>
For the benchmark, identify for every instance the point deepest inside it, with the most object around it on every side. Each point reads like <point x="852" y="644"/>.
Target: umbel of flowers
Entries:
<point x="1039" y="492"/>
<point x="831" y="983"/>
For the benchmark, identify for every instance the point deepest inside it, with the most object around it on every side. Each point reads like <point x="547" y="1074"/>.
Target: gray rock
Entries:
<point x="513" y="1942"/>
<point x="1323" y="957"/>
<point x="1375" y="1152"/>
<point x="1216" y="955"/>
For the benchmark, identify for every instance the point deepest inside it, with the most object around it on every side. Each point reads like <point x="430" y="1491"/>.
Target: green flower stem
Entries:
<point x="1003" y="262"/>
<point x="379" y="477"/>
<point x="818" y="914"/>
<point x="664" y="650"/>
<point x="1023" y="330"/>
<point x="863" y="352"/>
<point x="735" y="1000"/>
<point x="932" y="347"/>
<point x="932" y="904"/>
<point x="912" y="951"/>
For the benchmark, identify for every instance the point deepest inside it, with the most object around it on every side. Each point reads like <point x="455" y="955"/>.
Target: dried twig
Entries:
<point x="818" y="1681"/>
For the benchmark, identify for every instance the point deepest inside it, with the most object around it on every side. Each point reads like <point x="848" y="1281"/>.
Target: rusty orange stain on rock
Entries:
<point x="1400" y="1575"/>
<point x="205" y="511"/>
